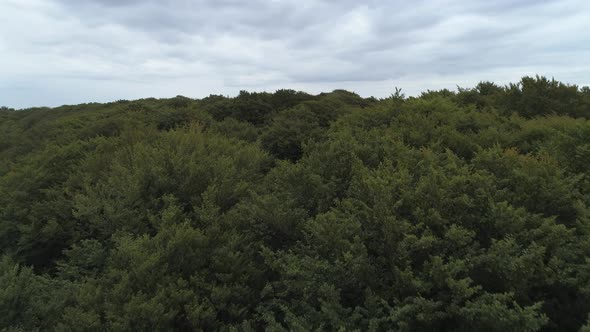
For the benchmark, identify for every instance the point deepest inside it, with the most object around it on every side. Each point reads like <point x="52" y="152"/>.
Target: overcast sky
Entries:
<point x="55" y="52"/>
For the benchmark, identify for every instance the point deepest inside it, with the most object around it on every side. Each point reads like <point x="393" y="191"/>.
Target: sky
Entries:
<point x="55" y="52"/>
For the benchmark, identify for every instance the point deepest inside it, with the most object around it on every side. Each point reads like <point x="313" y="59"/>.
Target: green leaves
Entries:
<point x="28" y="301"/>
<point x="453" y="211"/>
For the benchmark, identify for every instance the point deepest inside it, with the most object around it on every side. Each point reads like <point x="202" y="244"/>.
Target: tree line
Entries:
<point x="285" y="211"/>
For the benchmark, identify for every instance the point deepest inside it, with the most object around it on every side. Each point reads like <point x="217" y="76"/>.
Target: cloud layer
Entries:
<point x="55" y="52"/>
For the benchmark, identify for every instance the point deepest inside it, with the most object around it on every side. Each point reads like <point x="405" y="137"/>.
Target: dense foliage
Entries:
<point x="452" y="211"/>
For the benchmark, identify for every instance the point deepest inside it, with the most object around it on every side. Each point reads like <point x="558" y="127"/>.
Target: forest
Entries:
<point x="464" y="210"/>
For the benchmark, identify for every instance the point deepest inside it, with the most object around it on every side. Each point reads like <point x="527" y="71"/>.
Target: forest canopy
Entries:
<point x="462" y="210"/>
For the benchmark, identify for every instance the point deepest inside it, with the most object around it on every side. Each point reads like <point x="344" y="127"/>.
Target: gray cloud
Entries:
<point x="69" y="51"/>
